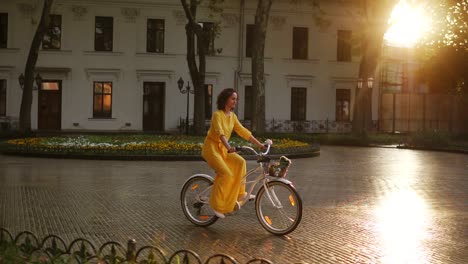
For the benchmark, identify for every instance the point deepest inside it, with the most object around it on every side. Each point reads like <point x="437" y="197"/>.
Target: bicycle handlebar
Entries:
<point x="259" y="153"/>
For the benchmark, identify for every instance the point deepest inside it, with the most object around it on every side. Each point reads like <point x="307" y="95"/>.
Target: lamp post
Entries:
<point x="367" y="95"/>
<point x="38" y="80"/>
<point x="185" y="90"/>
<point x="359" y="83"/>
<point x="370" y="84"/>
<point x="360" y="104"/>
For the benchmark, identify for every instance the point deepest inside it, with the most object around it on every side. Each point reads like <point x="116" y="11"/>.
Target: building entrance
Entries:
<point x="153" y="106"/>
<point x="50" y="105"/>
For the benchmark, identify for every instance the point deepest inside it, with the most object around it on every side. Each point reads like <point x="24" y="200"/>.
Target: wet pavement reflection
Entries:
<point x="361" y="205"/>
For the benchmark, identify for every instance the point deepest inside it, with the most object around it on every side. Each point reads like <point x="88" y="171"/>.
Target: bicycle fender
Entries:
<point x="201" y="175"/>
<point x="283" y="181"/>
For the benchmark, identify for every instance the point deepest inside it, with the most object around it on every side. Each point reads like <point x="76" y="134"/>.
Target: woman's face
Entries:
<point x="231" y="101"/>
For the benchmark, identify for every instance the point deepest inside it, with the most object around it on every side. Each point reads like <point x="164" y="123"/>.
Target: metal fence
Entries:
<point x="53" y="249"/>
<point x="286" y="126"/>
<point x="412" y="112"/>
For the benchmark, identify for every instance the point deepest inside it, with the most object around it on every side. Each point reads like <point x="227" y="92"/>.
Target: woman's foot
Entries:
<point x="218" y="214"/>
<point x="241" y="200"/>
<point x="251" y="197"/>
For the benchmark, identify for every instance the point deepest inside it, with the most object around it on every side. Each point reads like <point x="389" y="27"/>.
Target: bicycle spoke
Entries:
<point x="194" y="200"/>
<point x="278" y="208"/>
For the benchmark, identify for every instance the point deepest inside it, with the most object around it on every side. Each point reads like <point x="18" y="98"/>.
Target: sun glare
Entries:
<point x="403" y="226"/>
<point x="403" y="215"/>
<point x="408" y="22"/>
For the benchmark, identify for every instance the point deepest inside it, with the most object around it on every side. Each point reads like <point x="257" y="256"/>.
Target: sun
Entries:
<point x="408" y="23"/>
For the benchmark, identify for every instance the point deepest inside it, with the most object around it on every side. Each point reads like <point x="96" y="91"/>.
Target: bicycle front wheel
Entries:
<point x="279" y="208"/>
<point x="194" y="199"/>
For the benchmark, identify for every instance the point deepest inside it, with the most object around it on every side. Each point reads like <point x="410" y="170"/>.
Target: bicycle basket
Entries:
<point x="279" y="168"/>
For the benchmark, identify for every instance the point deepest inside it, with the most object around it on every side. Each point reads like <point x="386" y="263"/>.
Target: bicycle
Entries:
<point x="277" y="203"/>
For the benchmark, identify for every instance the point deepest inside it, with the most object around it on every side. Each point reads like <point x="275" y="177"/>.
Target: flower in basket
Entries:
<point x="274" y="169"/>
<point x="284" y="164"/>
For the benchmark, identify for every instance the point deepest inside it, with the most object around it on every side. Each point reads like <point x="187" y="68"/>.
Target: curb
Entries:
<point x="148" y="157"/>
<point x="460" y="151"/>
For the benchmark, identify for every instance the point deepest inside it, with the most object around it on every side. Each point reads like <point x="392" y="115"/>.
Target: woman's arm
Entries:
<point x="226" y="144"/>
<point x="255" y="141"/>
<point x="230" y="149"/>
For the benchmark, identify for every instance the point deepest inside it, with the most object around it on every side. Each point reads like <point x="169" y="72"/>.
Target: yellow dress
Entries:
<point x="229" y="168"/>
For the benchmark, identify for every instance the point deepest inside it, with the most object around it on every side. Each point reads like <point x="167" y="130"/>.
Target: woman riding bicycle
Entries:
<point x="229" y="166"/>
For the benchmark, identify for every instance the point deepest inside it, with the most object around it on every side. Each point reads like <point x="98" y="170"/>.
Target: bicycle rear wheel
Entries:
<point x="279" y="208"/>
<point x="194" y="199"/>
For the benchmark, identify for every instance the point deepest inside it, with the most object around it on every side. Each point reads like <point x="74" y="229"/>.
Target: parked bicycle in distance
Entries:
<point x="277" y="203"/>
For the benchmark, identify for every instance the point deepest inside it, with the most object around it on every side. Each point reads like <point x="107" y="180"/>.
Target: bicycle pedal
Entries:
<point x="231" y="213"/>
<point x="251" y="197"/>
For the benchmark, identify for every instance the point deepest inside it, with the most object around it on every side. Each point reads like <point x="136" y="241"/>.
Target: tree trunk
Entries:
<point x="26" y="99"/>
<point x="197" y="73"/>
<point x="377" y="14"/>
<point x="258" y="67"/>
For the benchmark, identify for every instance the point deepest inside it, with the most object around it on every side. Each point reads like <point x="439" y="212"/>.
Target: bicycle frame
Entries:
<point x="278" y="205"/>
<point x="262" y="176"/>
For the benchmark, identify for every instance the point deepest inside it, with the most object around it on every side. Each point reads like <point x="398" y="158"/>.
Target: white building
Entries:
<point x="113" y="65"/>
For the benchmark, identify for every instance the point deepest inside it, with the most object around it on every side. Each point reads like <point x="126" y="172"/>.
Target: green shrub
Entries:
<point x="429" y="139"/>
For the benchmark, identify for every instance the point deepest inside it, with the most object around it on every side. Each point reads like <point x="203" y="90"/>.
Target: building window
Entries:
<point x="248" y="104"/>
<point x="343" y="97"/>
<point x="3" y="30"/>
<point x="392" y="76"/>
<point x="103" y="34"/>
<point x="343" y="52"/>
<point x="155" y="35"/>
<point x="208" y="100"/>
<point x="209" y="32"/>
<point x="300" y="43"/>
<point x="102" y="100"/>
<point x="298" y="103"/>
<point x="2" y="97"/>
<point x="53" y="35"/>
<point x="406" y="86"/>
<point x="249" y="37"/>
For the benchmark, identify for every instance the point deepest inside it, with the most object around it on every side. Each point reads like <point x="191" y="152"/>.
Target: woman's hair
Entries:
<point x="223" y="97"/>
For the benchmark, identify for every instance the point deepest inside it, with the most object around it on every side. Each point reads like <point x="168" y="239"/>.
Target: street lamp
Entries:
<point x="370" y="82"/>
<point x="38" y="80"/>
<point x="187" y="90"/>
<point x="359" y="83"/>
<point x="364" y="98"/>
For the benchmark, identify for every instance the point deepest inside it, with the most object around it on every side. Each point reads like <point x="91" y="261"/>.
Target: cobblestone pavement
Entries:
<point x="361" y="205"/>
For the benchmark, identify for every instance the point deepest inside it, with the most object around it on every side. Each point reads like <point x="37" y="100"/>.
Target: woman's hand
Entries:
<point x="231" y="149"/>
<point x="226" y="144"/>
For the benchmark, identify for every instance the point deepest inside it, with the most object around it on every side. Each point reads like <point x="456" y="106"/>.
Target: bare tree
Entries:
<point x="258" y="55"/>
<point x="196" y="33"/>
<point x="26" y="99"/>
<point x="376" y="15"/>
<point x="258" y="66"/>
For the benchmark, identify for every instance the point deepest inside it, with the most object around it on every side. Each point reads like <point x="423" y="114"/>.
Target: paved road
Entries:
<point x="362" y="205"/>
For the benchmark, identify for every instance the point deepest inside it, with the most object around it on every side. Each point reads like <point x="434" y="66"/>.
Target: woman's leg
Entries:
<point x="239" y="169"/>
<point x="227" y="184"/>
<point x="219" y="199"/>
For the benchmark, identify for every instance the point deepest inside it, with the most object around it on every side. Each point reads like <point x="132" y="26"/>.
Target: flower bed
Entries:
<point x="132" y="145"/>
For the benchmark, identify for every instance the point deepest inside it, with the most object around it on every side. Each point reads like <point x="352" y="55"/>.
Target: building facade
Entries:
<point x="113" y="65"/>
